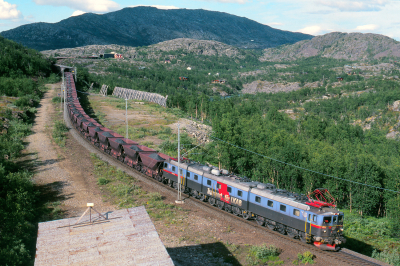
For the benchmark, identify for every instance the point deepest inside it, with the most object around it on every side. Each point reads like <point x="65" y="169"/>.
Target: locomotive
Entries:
<point x="311" y="218"/>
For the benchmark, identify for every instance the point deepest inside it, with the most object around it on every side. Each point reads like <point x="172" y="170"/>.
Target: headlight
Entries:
<point x="324" y="231"/>
<point x="341" y="229"/>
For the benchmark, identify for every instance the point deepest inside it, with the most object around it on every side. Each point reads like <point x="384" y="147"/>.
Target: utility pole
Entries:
<point x="179" y="200"/>
<point x="65" y="96"/>
<point x="126" y="117"/>
<point x="62" y="89"/>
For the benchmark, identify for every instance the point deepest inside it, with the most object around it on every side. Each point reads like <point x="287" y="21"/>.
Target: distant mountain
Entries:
<point x="349" y="46"/>
<point x="143" y="26"/>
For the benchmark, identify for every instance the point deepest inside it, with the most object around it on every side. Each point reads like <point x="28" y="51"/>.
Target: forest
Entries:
<point x="22" y="71"/>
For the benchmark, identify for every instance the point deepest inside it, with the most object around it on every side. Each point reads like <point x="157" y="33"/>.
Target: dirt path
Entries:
<point x="66" y="171"/>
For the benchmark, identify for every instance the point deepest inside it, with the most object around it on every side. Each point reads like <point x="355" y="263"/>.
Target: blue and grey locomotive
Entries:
<point x="298" y="216"/>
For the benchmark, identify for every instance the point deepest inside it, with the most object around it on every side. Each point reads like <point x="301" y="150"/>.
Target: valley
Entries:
<point x="322" y="112"/>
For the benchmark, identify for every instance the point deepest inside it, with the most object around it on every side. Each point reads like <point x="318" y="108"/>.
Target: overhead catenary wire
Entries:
<point x="201" y="143"/>
<point x="305" y="169"/>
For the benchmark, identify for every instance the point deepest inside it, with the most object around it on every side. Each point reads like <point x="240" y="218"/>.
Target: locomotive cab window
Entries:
<point x="219" y="186"/>
<point x="334" y="220"/>
<point x="258" y="199"/>
<point x="209" y="182"/>
<point x="327" y="220"/>
<point x="282" y="208"/>
<point x="239" y="193"/>
<point x="173" y="168"/>
<point x="340" y="219"/>
<point x="165" y="165"/>
<point x="314" y="218"/>
<point x="181" y="171"/>
<point x="270" y="203"/>
<point x="296" y="212"/>
<point x="187" y="174"/>
<point x="229" y="189"/>
<point x="196" y="177"/>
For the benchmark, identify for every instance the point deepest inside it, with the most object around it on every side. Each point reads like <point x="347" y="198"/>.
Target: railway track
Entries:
<point x="344" y="256"/>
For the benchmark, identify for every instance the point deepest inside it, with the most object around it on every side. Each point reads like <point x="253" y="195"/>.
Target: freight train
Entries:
<point x="312" y="219"/>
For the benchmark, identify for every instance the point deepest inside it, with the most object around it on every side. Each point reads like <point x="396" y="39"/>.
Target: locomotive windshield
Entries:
<point x="327" y="220"/>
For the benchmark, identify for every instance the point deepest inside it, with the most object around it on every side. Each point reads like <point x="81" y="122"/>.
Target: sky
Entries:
<point x="315" y="17"/>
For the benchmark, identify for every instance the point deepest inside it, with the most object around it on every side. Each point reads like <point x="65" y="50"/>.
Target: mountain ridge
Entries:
<point x="143" y="26"/>
<point x="337" y="45"/>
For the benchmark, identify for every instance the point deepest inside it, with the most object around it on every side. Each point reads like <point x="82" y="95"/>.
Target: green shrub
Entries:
<point x="53" y="78"/>
<point x="27" y="101"/>
<point x="103" y="181"/>
<point x="262" y="254"/>
<point x="165" y="130"/>
<point x="305" y="258"/>
<point x="148" y="143"/>
<point x="392" y="258"/>
<point x="56" y="99"/>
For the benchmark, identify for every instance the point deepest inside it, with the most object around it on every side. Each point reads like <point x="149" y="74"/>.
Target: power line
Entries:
<point x="302" y="168"/>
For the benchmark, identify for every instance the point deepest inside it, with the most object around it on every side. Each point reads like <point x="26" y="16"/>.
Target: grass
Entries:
<point x="122" y="189"/>
<point x="151" y="120"/>
<point x="59" y="132"/>
<point x="122" y="106"/>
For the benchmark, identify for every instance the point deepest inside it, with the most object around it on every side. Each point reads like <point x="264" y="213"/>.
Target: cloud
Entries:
<point x="9" y="11"/>
<point x="85" y="5"/>
<point x="312" y="30"/>
<point x="357" y="6"/>
<point x="77" y="13"/>
<point x="159" y="6"/>
<point x="369" y="27"/>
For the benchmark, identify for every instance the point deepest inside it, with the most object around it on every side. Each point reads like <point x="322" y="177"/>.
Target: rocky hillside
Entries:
<point x="199" y="47"/>
<point x="349" y="46"/>
<point x="143" y="26"/>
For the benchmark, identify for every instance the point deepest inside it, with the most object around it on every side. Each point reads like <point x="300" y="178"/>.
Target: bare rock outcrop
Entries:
<point x="269" y="87"/>
<point x="337" y="45"/>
